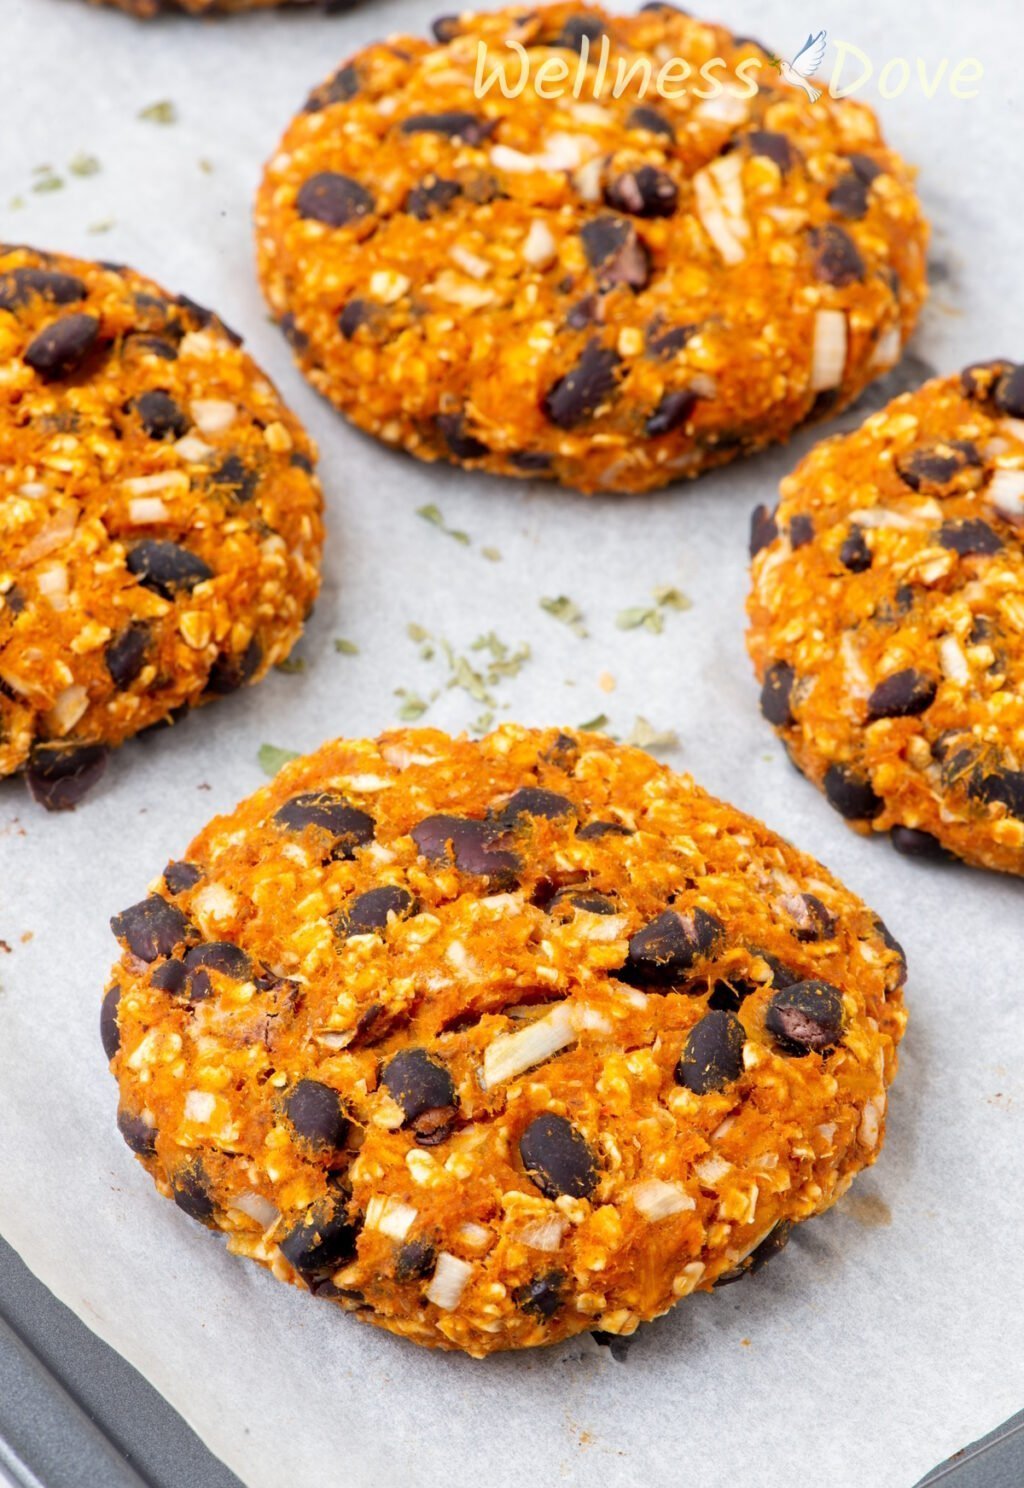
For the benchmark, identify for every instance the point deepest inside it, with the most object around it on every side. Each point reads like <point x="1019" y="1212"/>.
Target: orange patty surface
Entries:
<point x="887" y="618"/>
<point x="160" y="519"/>
<point x="495" y="1042"/>
<point x="608" y="280"/>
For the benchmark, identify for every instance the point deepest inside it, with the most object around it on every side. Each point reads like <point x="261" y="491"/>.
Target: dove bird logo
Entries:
<point x="804" y="65"/>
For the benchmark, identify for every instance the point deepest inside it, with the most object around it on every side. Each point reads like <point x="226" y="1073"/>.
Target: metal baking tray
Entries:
<point x="74" y="1414"/>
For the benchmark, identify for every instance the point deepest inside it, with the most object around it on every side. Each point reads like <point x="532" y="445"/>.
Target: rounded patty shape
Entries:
<point x="604" y="1058"/>
<point x="613" y="292"/>
<point x="887" y="618"/>
<point x="160" y="526"/>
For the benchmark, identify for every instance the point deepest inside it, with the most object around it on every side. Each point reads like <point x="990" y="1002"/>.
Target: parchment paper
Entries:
<point x="892" y="1332"/>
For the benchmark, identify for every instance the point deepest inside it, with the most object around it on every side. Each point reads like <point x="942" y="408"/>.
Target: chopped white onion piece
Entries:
<point x="543" y="1234"/>
<point x="718" y="195"/>
<point x="193" y="449"/>
<point x="887" y="349"/>
<point x="256" y="1207"/>
<point x="32" y="489"/>
<point x="513" y="1053"/>
<point x="199" y="1105"/>
<point x="563" y="152"/>
<point x="68" y="709"/>
<point x="828" y="359"/>
<point x="954" y="663"/>
<point x="390" y="1216"/>
<point x="656" y="1200"/>
<point x="163" y="480"/>
<point x="448" y="1281"/>
<point x="539" y="248"/>
<point x="212" y="415"/>
<point x="711" y="1169"/>
<point x="145" y="511"/>
<point x="469" y="262"/>
<point x="1006" y="493"/>
<point x="725" y="109"/>
<point x="476" y="1236"/>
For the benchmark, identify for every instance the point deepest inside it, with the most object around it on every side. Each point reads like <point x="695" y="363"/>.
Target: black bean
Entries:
<point x="801" y="530"/>
<point x="557" y="1157"/>
<point x="865" y="167"/>
<point x="813" y="921"/>
<point x="582" y="899"/>
<point x="774" y="1242"/>
<point x="337" y="89"/>
<point x="650" y="120"/>
<point x="61" y="347"/>
<point x="462" y="444"/>
<point x="855" y="555"/>
<point x="531" y="800"/>
<point x="170" y="977"/>
<point x="153" y="928"/>
<point x="980" y="380"/>
<point x="125" y="655"/>
<point x="665" y="344"/>
<point x="296" y="338"/>
<point x="970" y="536"/>
<point x="431" y="198"/>
<point x="167" y="567"/>
<point x="892" y="944"/>
<point x="301" y="462"/>
<point x="231" y="671"/>
<point x="1010" y="393"/>
<point x="151" y="346"/>
<point x="664" y="951"/>
<point x="576" y="29"/>
<point x="597" y="829"/>
<point x="777" y="147"/>
<point x="729" y="996"/>
<point x="712" y="1056"/>
<point x="60" y="775"/>
<point x="110" y="1033"/>
<point x="237" y="479"/>
<point x="139" y="1135"/>
<point x="182" y="875"/>
<point x="999" y="787"/>
<point x="446" y="27"/>
<point x="585" y="312"/>
<point x="673" y="410"/>
<point x="199" y="315"/>
<point x="333" y="199"/>
<point x="851" y="793"/>
<point x="322" y="1240"/>
<point x="936" y="466"/>
<point x="614" y="250"/>
<point x="453" y="125"/>
<point x="643" y="192"/>
<point x="220" y="956"/>
<point x="541" y="1297"/>
<point x="806" y="1017"/>
<point x="415" y="1260"/>
<point x="328" y="811"/>
<point x="763" y="529"/>
<point x="911" y="842"/>
<point x="532" y="460"/>
<point x="904" y="694"/>
<point x="468" y="842"/>
<point x="316" y="1113"/>
<point x="777" y="694"/>
<point x="418" y="1082"/>
<point x="369" y="912"/>
<point x="577" y="396"/>
<point x="190" y="1190"/>
<point x="849" y="196"/>
<point x="160" y="416"/>
<point x="19" y="286"/>
<point x="835" y="256"/>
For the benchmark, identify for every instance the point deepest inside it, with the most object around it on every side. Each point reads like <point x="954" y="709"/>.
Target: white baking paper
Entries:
<point x="892" y="1331"/>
